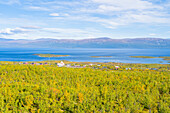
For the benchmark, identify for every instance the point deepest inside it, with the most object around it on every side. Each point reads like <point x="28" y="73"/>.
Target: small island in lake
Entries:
<point x="50" y="55"/>
<point x="142" y="57"/>
<point x="99" y="56"/>
<point x="164" y="57"/>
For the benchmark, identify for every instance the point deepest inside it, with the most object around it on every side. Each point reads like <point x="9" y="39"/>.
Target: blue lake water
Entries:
<point x="83" y="55"/>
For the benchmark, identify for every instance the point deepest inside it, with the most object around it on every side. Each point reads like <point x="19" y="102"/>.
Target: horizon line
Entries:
<point x="85" y="38"/>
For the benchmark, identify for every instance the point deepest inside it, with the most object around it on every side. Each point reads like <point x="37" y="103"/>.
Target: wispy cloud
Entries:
<point x="71" y="18"/>
<point x="54" y="14"/>
<point x="37" y="8"/>
<point x="31" y="27"/>
<point x="152" y="34"/>
<point x="126" y="4"/>
<point x="10" y="2"/>
<point x="9" y="31"/>
<point x="112" y="13"/>
<point x="17" y="30"/>
<point x="60" y="33"/>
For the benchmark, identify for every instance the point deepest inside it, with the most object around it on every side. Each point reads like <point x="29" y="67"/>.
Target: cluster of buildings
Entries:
<point x="94" y="66"/>
<point x="33" y="63"/>
<point x="62" y="64"/>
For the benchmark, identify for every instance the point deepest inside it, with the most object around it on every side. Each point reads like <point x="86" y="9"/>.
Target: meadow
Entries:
<point x="93" y="89"/>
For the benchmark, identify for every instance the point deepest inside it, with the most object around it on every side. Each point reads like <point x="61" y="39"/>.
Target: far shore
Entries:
<point x="50" y="55"/>
<point x="99" y="56"/>
<point x="164" y="57"/>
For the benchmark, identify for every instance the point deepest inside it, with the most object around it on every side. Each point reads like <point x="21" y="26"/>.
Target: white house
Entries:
<point x="90" y="64"/>
<point x="116" y="67"/>
<point x="61" y="64"/>
<point x="68" y="65"/>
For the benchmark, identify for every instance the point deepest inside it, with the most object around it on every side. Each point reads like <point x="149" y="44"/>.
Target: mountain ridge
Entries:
<point x="101" y="42"/>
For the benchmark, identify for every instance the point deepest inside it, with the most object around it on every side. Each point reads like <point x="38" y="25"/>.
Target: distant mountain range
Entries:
<point x="103" y="42"/>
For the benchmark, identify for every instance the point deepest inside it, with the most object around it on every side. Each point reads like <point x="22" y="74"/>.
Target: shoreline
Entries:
<point x="110" y="66"/>
<point x="99" y="56"/>
<point x="166" y="58"/>
<point x="55" y="61"/>
<point x="50" y="55"/>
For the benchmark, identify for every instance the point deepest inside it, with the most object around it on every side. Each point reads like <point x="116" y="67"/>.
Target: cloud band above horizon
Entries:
<point x="32" y="19"/>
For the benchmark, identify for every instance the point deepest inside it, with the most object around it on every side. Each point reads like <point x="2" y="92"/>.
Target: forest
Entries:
<point x="48" y="88"/>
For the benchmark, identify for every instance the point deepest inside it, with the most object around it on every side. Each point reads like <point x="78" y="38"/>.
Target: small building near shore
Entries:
<point x="117" y="67"/>
<point x="33" y="63"/>
<point x="90" y="64"/>
<point x="61" y="64"/>
<point x="68" y="65"/>
<point x="25" y="63"/>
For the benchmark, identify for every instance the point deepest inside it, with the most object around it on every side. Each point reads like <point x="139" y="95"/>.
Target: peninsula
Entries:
<point x="50" y="55"/>
<point x="99" y="56"/>
<point x="164" y="57"/>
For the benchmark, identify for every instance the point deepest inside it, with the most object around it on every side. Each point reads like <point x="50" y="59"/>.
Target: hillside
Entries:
<point x="88" y="43"/>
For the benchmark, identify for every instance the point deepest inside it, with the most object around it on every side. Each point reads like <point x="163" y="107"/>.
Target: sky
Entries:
<point x="82" y="19"/>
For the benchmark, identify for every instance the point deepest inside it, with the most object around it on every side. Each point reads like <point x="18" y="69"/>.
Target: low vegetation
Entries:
<point x="164" y="57"/>
<point x="48" y="88"/>
<point x="50" y="55"/>
<point x="142" y="57"/>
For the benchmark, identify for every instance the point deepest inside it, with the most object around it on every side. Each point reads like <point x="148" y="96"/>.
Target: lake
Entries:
<point x="83" y="55"/>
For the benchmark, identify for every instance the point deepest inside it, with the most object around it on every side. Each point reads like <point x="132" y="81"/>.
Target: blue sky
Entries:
<point x="81" y="19"/>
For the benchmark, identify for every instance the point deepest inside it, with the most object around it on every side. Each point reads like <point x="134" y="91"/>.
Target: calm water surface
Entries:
<point x="83" y="55"/>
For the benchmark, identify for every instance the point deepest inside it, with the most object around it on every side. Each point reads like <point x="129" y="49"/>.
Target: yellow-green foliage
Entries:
<point x="44" y="89"/>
